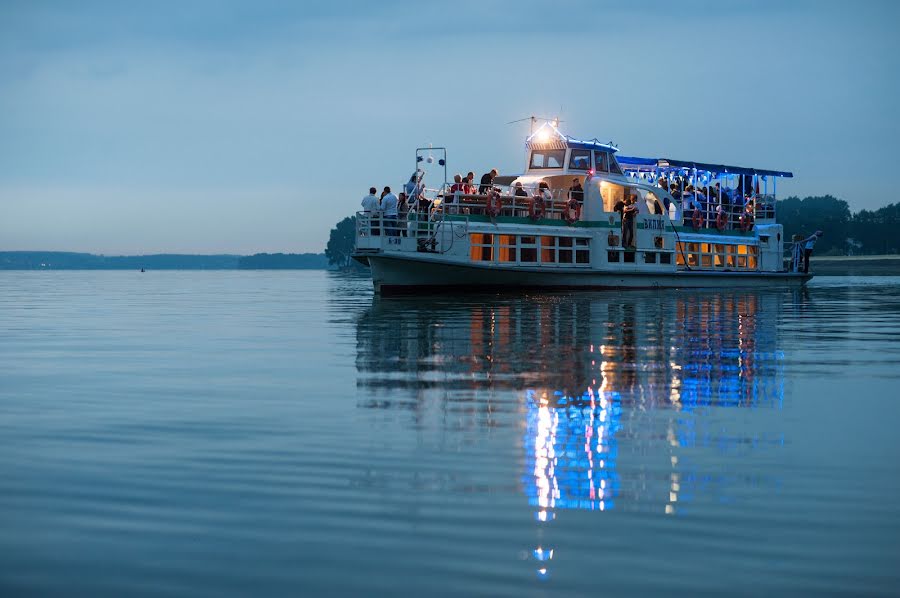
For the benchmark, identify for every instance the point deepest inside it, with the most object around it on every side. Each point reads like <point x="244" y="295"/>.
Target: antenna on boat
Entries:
<point x="534" y="120"/>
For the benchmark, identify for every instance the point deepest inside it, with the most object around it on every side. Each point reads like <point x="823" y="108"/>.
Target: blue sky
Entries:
<point x="240" y="127"/>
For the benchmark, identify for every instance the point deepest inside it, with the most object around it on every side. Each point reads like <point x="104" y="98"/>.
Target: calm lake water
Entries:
<point x="285" y="433"/>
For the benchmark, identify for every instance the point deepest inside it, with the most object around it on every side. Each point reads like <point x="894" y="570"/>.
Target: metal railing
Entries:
<point x="432" y="232"/>
<point x="763" y="211"/>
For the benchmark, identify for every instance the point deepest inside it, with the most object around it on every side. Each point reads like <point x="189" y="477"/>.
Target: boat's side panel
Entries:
<point x="396" y="273"/>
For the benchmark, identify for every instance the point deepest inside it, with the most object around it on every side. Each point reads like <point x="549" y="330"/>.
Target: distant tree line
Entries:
<point x="64" y="260"/>
<point x="863" y="233"/>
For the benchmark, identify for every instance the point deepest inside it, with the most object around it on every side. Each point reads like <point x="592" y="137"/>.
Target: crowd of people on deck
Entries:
<point x="712" y="200"/>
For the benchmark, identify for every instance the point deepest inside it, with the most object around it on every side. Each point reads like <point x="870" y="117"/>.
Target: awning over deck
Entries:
<point x="634" y="162"/>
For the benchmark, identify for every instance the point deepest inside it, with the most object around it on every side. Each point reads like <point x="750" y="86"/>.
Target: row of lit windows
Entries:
<point x="523" y="249"/>
<point x="717" y="255"/>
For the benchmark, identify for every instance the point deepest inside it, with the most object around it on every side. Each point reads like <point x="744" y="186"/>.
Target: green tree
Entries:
<point x="341" y="243"/>
<point x="876" y="232"/>
<point x="826" y="213"/>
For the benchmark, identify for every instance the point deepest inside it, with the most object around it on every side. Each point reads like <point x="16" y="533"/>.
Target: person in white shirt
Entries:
<point x="389" y="209"/>
<point x="808" y="244"/>
<point x="371" y="205"/>
<point x="370" y="202"/>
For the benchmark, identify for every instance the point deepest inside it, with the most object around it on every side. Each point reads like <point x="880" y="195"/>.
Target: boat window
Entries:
<point x="528" y="250"/>
<point x="601" y="162"/>
<point x="614" y="166"/>
<point x="507" y="249"/>
<point x="665" y="258"/>
<point x="629" y="256"/>
<point x="580" y="160"/>
<point x="481" y="247"/>
<point x="548" y="250"/>
<point x="548" y="158"/>
<point x="612" y="256"/>
<point x="649" y="257"/>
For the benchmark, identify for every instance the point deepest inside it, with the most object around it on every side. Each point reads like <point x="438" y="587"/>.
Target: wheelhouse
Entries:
<point x="551" y="152"/>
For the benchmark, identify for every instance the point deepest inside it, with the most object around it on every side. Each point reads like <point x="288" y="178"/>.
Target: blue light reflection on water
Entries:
<point x="728" y="357"/>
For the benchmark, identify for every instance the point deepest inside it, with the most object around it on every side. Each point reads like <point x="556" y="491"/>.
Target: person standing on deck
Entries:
<point x="370" y="202"/>
<point x="389" y="208"/>
<point x="371" y="205"/>
<point x="629" y="215"/>
<point x="808" y="244"/>
<point x="487" y="181"/>
<point x="576" y="191"/>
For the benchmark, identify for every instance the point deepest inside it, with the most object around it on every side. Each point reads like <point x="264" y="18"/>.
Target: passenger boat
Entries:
<point x="533" y="231"/>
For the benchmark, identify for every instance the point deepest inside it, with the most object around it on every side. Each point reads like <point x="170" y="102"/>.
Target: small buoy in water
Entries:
<point x="142" y="269"/>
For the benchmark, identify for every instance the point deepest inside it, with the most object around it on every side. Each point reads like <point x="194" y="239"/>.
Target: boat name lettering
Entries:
<point x="654" y="224"/>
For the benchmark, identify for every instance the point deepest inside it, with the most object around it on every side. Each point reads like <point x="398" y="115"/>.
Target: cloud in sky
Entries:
<point x="244" y="126"/>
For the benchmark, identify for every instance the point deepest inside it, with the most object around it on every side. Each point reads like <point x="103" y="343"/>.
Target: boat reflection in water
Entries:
<point x="619" y="393"/>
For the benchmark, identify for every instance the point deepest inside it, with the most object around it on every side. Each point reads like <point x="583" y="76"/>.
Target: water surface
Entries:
<point x="285" y="433"/>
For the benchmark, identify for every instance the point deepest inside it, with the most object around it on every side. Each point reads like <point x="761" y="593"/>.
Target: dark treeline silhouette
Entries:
<point x="863" y="233"/>
<point x="63" y="260"/>
<point x="283" y="261"/>
<point x="341" y="243"/>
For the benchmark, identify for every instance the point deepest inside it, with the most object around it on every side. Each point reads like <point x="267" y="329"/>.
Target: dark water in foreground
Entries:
<point x="241" y="433"/>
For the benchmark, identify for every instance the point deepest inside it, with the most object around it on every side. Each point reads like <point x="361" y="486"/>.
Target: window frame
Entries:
<point x="547" y="153"/>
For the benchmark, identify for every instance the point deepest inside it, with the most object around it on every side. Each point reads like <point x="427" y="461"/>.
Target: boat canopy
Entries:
<point x="637" y="163"/>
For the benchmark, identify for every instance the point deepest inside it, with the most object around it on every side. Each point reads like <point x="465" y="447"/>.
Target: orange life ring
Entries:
<point x="536" y="209"/>
<point x="721" y="221"/>
<point x="494" y="204"/>
<point x="573" y="211"/>
<point x="746" y="222"/>
<point x="697" y="219"/>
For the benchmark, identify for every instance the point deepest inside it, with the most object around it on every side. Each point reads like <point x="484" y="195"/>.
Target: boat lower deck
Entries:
<point x="399" y="273"/>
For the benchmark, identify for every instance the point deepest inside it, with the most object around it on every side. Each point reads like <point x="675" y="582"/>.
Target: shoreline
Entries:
<point x="855" y="265"/>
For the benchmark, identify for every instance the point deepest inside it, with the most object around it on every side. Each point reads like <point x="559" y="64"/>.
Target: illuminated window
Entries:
<point x="706" y="260"/>
<point x="548" y="250"/>
<point x="507" y="249"/>
<point x="601" y="162"/>
<point x="481" y="247"/>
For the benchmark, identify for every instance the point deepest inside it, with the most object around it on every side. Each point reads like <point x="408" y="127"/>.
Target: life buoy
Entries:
<point x="573" y="211"/>
<point x="494" y="204"/>
<point x="746" y="222"/>
<point x="536" y="209"/>
<point x="721" y="221"/>
<point x="697" y="219"/>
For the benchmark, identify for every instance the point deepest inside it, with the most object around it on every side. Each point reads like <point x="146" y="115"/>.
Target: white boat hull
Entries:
<point x="397" y="273"/>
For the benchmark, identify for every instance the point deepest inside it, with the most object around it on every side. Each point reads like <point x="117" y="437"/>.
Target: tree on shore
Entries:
<point x="341" y="243"/>
<point x="864" y="233"/>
